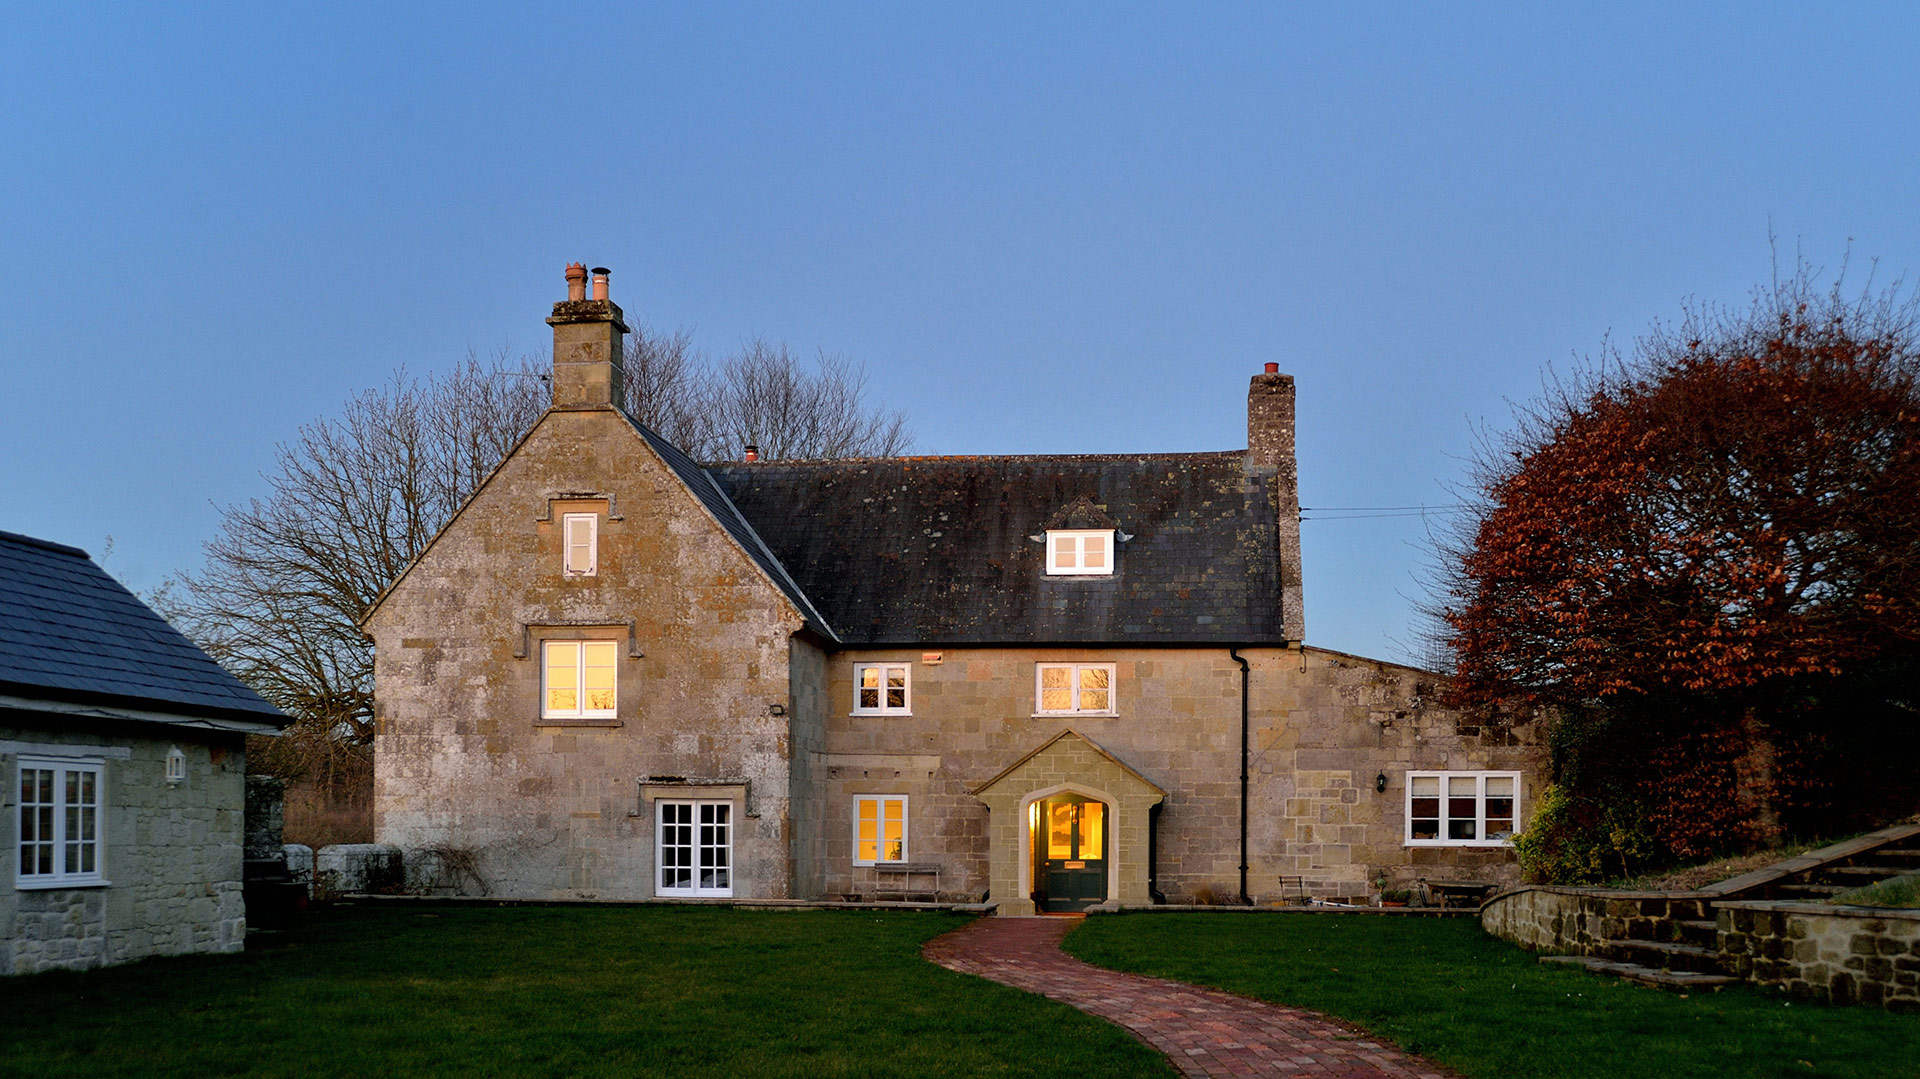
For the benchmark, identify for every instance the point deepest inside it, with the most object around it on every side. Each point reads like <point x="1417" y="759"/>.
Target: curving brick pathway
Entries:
<point x="1204" y="1032"/>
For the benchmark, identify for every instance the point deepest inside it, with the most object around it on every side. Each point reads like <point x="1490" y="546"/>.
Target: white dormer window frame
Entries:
<point x="1080" y="552"/>
<point x="580" y="544"/>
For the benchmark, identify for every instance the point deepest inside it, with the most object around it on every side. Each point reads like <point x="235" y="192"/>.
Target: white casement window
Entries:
<point x="694" y="849"/>
<point x="581" y="536"/>
<point x="578" y="679"/>
<point x="1462" y="809"/>
<point x="59" y="821"/>
<point x="882" y="689"/>
<point x="1069" y="689"/>
<point x="1080" y="553"/>
<point x="879" y="829"/>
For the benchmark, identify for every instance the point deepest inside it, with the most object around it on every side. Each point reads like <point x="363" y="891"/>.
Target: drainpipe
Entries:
<point x="1153" y="854"/>
<point x="1234" y="652"/>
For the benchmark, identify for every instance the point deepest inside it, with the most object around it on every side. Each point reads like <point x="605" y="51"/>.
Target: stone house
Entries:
<point x="124" y="753"/>
<point x="1054" y="681"/>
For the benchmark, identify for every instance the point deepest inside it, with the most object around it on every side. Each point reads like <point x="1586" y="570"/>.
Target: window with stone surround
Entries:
<point x="1073" y="689"/>
<point x="882" y="689"/>
<point x="578" y="679"/>
<point x="580" y="534"/>
<point x="1462" y="809"/>
<point x="879" y="829"/>
<point x="58" y="821"/>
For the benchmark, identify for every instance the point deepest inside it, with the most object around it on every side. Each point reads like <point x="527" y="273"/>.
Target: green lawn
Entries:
<point x="1446" y="990"/>
<point x="380" y="991"/>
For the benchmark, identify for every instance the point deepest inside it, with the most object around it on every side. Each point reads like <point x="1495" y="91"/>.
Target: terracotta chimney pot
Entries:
<point x="600" y="282"/>
<point x="1273" y="369"/>
<point x="576" y="282"/>
<point x="753" y="452"/>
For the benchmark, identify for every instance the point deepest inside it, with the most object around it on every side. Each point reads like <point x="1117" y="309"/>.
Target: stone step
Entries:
<point x="1899" y="854"/>
<point x="1705" y="934"/>
<point x="1866" y="874"/>
<point x="1633" y="972"/>
<point x="1662" y="954"/>
<point x="1816" y="891"/>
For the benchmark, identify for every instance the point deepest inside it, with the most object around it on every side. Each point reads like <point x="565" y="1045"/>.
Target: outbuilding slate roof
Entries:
<point x="70" y="631"/>
<point x="932" y="550"/>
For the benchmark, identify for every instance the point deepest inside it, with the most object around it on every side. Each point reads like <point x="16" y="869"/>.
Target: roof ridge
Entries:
<point x="35" y="541"/>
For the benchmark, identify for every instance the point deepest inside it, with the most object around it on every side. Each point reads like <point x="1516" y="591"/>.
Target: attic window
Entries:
<point x="1081" y="552"/>
<point x="582" y="532"/>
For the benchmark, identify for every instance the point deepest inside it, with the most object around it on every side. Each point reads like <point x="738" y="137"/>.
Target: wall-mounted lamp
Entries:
<point x="776" y="709"/>
<point x="1380" y="782"/>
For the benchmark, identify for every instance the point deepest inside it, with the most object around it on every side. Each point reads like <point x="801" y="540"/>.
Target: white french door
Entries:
<point x="694" y="849"/>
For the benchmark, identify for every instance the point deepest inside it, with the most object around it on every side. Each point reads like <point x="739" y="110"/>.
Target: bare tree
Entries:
<point x="355" y="498"/>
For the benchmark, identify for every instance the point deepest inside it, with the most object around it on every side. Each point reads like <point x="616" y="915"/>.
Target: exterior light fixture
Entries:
<point x="1380" y="782"/>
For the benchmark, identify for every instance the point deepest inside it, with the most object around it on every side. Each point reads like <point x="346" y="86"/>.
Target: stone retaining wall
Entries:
<point x="1575" y="921"/>
<point x="1845" y="955"/>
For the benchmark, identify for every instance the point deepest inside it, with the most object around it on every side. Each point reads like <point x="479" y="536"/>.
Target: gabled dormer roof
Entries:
<point x="1080" y="515"/>
<point x="70" y="633"/>
<point x="932" y="550"/>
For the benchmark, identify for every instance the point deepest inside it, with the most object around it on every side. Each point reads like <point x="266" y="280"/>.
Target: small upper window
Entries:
<point x="582" y="536"/>
<point x="176" y="766"/>
<point x="579" y="679"/>
<point x="1066" y="689"/>
<point x="1083" y="553"/>
<point x="881" y="689"/>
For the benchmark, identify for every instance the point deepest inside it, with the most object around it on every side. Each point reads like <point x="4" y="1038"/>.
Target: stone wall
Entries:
<point x="553" y="809"/>
<point x="170" y="852"/>
<point x="1324" y="725"/>
<point x="1845" y="955"/>
<point x="1575" y="921"/>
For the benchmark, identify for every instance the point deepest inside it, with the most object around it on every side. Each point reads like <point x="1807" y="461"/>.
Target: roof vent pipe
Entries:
<point x="576" y="282"/>
<point x="753" y="452"/>
<point x="600" y="282"/>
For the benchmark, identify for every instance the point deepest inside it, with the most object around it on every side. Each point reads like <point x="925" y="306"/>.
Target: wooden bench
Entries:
<point x="897" y="878"/>
<point x="1458" y="893"/>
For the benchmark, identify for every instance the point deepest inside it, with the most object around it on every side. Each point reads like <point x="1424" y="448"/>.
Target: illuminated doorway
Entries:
<point x="1069" y="853"/>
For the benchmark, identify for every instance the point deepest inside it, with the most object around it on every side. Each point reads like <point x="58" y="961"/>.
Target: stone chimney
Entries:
<point x="1270" y="458"/>
<point x="589" y="342"/>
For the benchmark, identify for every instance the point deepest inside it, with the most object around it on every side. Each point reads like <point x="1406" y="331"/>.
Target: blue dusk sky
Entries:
<point x="1041" y="228"/>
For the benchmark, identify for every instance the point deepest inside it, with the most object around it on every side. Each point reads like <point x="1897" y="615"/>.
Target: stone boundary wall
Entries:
<point x="1843" y="955"/>
<point x="1575" y="921"/>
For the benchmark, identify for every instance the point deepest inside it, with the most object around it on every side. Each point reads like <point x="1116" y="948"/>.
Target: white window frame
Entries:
<point x="905" y="708"/>
<point x="1480" y="809"/>
<point x="880" y="802"/>
<point x="63" y="874"/>
<point x="568" y="565"/>
<point x="1073" y="683"/>
<point x="176" y="766"/>
<point x="580" y="709"/>
<point x="701" y="816"/>
<point x="1073" y="563"/>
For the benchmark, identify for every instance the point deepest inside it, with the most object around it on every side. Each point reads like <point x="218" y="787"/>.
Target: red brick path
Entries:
<point x="1203" y="1031"/>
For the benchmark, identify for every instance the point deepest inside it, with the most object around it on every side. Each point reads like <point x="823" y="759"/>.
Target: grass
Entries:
<point x="1446" y="990"/>
<point x="1901" y="891"/>
<point x="387" y="991"/>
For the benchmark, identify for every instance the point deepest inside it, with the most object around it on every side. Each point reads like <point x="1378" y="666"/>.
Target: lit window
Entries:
<point x="1462" y="808"/>
<point x="881" y="689"/>
<point x="1067" y="689"/>
<point x="59" y="823"/>
<point x="582" y="538"/>
<point x="578" y="679"/>
<point x="879" y="829"/>
<point x="1080" y="553"/>
<point x="694" y="849"/>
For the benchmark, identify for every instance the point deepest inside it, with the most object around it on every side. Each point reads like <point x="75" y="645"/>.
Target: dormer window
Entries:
<point x="582" y="541"/>
<point x="1080" y="552"/>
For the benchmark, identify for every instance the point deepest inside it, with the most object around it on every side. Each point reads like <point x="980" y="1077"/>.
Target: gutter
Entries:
<point x="1234" y="652"/>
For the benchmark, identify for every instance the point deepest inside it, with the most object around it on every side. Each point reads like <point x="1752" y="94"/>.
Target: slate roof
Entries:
<point x="932" y="550"/>
<point x="69" y="631"/>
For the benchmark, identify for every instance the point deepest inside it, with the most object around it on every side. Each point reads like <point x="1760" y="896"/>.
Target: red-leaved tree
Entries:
<point x="1708" y="552"/>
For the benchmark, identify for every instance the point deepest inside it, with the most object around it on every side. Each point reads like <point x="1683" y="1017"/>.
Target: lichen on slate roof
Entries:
<point x="931" y="550"/>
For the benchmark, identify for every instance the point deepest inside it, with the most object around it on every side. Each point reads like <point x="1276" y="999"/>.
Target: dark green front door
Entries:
<point x="1070" y="853"/>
